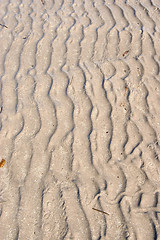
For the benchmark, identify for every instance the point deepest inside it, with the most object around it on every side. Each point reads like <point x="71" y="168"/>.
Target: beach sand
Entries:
<point x="79" y="119"/>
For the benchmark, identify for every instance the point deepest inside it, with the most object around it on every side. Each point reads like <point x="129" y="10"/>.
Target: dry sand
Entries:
<point x="80" y="119"/>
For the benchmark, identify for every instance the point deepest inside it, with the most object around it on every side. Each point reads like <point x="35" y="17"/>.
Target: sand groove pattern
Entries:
<point x="79" y="119"/>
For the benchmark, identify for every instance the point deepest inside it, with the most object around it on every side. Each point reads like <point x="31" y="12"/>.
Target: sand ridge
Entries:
<point x="79" y="119"/>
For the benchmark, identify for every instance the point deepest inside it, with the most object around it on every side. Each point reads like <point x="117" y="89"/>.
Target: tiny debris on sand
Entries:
<point x="125" y="53"/>
<point x="43" y="2"/>
<point x="100" y="211"/>
<point x="2" y="25"/>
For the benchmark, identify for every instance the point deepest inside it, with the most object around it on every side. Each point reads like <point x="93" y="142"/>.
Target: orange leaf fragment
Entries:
<point x="2" y="163"/>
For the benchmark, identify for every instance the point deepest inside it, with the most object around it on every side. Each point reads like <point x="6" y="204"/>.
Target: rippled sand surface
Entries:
<point x="79" y="119"/>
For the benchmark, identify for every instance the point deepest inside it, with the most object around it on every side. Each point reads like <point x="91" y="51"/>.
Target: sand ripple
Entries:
<point x="79" y="119"/>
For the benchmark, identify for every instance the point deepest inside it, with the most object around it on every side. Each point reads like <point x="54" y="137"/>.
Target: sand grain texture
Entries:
<point x="79" y="119"/>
